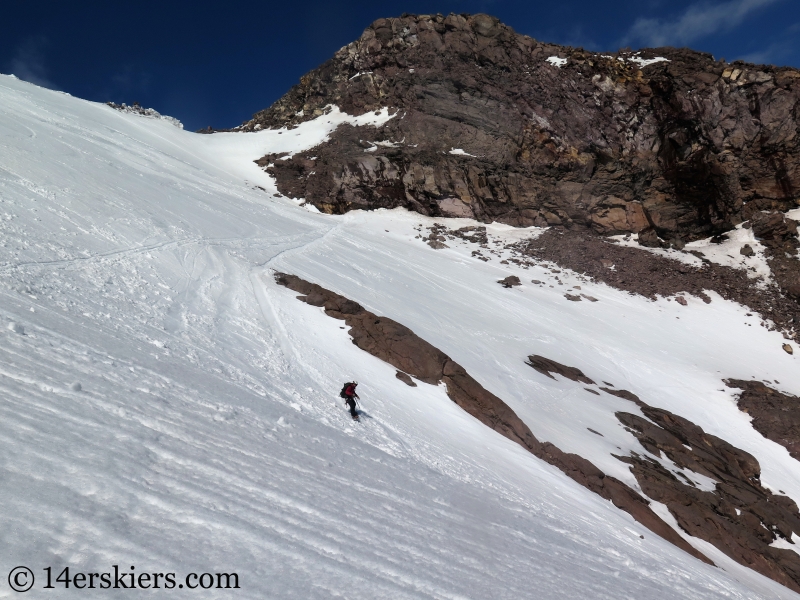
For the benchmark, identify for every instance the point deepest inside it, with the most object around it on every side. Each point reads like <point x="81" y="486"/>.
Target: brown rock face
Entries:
<point x="740" y="517"/>
<point x="773" y="228"/>
<point x="685" y="147"/>
<point x="545" y="366"/>
<point x="510" y="281"/>
<point x="407" y="352"/>
<point x="405" y="378"/>
<point x="776" y="416"/>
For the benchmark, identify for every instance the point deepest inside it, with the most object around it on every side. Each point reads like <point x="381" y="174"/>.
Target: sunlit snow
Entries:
<point x="459" y="152"/>
<point x="726" y="252"/>
<point x="167" y="405"/>
<point x="556" y="61"/>
<point x="646" y="62"/>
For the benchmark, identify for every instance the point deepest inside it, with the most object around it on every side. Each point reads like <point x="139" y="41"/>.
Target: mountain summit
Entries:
<point x="498" y="126"/>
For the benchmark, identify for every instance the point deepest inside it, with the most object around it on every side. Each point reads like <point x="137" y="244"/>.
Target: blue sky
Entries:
<point x="216" y="63"/>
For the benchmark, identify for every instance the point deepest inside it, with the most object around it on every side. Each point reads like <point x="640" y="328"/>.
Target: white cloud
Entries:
<point x="783" y="47"/>
<point x="698" y="21"/>
<point x="28" y="62"/>
<point x="766" y="55"/>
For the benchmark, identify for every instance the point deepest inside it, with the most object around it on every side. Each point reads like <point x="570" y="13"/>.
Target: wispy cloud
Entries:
<point x="698" y="21"/>
<point x="768" y="54"/>
<point x="783" y="46"/>
<point x="29" y="62"/>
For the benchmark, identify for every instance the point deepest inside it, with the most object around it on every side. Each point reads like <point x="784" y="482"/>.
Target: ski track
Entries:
<point x="207" y="434"/>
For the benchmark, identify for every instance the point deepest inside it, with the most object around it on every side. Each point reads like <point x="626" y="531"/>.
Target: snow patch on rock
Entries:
<point x="728" y="252"/>
<point x="557" y="61"/>
<point x="237" y="151"/>
<point x="646" y="62"/>
<point x="785" y="545"/>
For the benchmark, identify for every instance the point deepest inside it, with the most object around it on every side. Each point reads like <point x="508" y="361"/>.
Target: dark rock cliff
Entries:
<point x="687" y="146"/>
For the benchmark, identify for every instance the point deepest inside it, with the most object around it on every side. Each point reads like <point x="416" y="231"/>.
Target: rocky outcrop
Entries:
<point x="510" y="281"/>
<point x="651" y="275"/>
<point x="403" y="349"/>
<point x="499" y="126"/>
<point x="776" y="416"/>
<point x="411" y="355"/>
<point x="138" y="109"/>
<point x="546" y="366"/>
<point x="633" y="270"/>
<point x="740" y="517"/>
<point x="779" y="236"/>
<point x="774" y="229"/>
<point x="405" y="378"/>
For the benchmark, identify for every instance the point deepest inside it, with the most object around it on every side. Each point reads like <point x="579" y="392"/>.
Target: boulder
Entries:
<point x="510" y="281"/>
<point x="793" y="291"/>
<point x="547" y="366"/>
<point x="649" y="238"/>
<point x="773" y="228"/>
<point x="405" y="378"/>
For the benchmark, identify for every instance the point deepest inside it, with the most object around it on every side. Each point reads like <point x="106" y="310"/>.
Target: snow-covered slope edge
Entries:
<point x="394" y="343"/>
<point x="205" y="435"/>
<point x="720" y="499"/>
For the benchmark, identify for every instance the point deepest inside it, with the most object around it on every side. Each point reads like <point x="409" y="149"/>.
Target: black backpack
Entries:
<point x="344" y="387"/>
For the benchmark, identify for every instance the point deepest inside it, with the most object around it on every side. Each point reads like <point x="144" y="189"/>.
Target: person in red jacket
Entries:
<point x="350" y="397"/>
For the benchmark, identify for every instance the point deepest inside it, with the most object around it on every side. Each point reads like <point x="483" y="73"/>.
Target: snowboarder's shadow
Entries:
<point x="363" y="415"/>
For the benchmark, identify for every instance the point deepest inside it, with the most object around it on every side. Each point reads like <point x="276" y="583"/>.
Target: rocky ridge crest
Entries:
<point x="498" y="126"/>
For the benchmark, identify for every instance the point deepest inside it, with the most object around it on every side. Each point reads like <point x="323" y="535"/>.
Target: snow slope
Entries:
<point x="166" y="405"/>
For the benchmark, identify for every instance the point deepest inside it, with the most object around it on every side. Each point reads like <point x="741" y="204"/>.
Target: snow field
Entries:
<point x="673" y="357"/>
<point x="136" y="259"/>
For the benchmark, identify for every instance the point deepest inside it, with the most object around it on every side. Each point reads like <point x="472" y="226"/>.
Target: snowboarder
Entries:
<point x="349" y="394"/>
